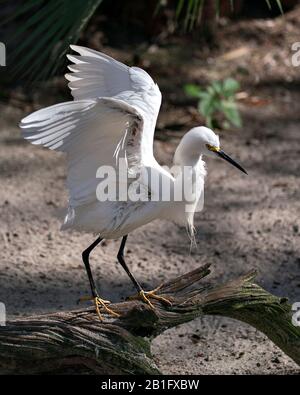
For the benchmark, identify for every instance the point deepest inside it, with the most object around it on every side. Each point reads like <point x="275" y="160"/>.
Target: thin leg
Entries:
<point x="144" y="295"/>
<point x="99" y="302"/>
<point x="125" y="267"/>
<point x="86" y="261"/>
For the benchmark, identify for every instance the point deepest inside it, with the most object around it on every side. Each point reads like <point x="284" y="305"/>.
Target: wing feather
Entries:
<point x="89" y="132"/>
<point x="94" y="74"/>
<point x="113" y="116"/>
<point x="107" y="76"/>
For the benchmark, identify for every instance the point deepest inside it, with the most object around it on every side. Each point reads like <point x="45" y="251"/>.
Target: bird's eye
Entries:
<point x="212" y="148"/>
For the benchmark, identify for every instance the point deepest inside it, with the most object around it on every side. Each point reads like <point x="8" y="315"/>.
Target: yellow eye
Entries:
<point x="212" y="148"/>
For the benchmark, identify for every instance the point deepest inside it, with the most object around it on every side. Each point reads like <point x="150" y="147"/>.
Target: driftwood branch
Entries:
<point x="77" y="341"/>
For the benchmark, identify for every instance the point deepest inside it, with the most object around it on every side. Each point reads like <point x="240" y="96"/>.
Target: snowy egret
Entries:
<point x="113" y="116"/>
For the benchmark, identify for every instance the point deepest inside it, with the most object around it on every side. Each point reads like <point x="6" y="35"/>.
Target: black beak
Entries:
<point x="222" y="155"/>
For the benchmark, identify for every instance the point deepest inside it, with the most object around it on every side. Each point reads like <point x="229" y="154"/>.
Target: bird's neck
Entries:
<point x="188" y="153"/>
<point x="183" y="157"/>
<point x="189" y="168"/>
<point x="193" y="166"/>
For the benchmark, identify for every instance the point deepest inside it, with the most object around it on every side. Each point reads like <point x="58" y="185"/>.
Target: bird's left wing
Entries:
<point x="93" y="133"/>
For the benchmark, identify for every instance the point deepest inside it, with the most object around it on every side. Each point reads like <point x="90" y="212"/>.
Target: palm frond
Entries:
<point x="40" y="42"/>
<point x="278" y="2"/>
<point x="191" y="11"/>
<point x="43" y="30"/>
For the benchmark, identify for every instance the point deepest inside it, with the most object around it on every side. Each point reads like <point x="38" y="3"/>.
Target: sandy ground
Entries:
<point x="248" y="222"/>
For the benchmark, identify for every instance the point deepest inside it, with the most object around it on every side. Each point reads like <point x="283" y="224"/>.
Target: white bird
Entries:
<point x="113" y="116"/>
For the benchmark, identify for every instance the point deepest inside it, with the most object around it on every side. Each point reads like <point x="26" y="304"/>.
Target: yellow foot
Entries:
<point x="145" y="296"/>
<point x="100" y="304"/>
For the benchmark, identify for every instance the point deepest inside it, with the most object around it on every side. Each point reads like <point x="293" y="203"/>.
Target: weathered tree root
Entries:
<point x="77" y="341"/>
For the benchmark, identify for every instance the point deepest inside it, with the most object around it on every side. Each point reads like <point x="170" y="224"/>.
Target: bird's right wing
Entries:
<point x="93" y="133"/>
<point x="95" y="74"/>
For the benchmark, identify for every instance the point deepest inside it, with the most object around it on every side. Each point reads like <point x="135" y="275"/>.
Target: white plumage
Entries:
<point x="113" y="116"/>
<point x="112" y="121"/>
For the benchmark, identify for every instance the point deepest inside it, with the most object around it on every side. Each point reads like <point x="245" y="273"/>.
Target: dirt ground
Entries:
<point x="249" y="222"/>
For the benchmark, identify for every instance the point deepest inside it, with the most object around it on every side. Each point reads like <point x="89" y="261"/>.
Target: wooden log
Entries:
<point x="77" y="341"/>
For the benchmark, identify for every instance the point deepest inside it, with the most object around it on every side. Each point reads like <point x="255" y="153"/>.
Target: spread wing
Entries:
<point x="89" y="132"/>
<point x="113" y="114"/>
<point x="94" y="74"/>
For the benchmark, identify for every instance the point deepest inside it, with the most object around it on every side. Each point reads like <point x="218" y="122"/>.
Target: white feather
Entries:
<point x="113" y="115"/>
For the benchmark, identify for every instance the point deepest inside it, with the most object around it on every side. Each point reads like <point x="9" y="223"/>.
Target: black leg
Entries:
<point x="143" y="295"/>
<point x="99" y="302"/>
<point x="125" y="267"/>
<point x="85" y="258"/>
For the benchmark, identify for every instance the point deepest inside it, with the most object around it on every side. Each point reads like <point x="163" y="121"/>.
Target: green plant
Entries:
<point x="218" y="99"/>
<point x="191" y="10"/>
<point x="43" y="30"/>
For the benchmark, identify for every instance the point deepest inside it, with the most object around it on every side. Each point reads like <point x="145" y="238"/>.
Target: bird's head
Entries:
<point x="202" y="141"/>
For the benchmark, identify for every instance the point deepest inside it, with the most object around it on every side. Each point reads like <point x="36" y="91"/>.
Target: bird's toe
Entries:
<point x="145" y="296"/>
<point x="101" y="304"/>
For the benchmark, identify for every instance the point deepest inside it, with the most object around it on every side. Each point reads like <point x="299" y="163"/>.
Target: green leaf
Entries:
<point x="231" y="112"/>
<point x="191" y="11"/>
<point x="279" y="6"/>
<point x="269" y="4"/>
<point x="230" y="86"/>
<point x="192" y="90"/>
<point x="217" y="7"/>
<point x="209" y="122"/>
<point x="179" y="7"/>
<point x="225" y="125"/>
<point x="204" y="94"/>
<point x="207" y="105"/>
<point x="218" y="86"/>
<point x="211" y="90"/>
<point x="204" y="107"/>
<point x="217" y="98"/>
<point x="47" y="30"/>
